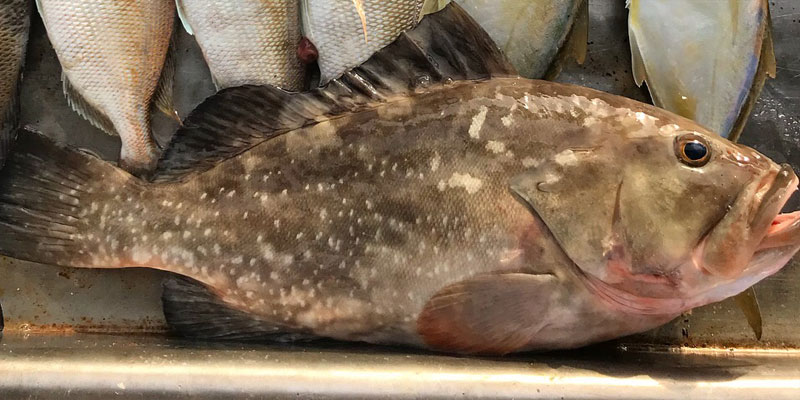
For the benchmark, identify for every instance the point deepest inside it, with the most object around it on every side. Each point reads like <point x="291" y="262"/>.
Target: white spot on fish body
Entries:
<point x="477" y="123"/>
<point x="187" y="234"/>
<point x="566" y="158"/>
<point x="528" y="162"/>
<point x="167" y="235"/>
<point x="495" y="146"/>
<point x="466" y="181"/>
<point x="237" y="260"/>
<point x="207" y="232"/>
<point x="435" y="162"/>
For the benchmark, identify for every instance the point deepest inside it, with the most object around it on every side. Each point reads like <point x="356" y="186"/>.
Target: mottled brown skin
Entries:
<point x="399" y="224"/>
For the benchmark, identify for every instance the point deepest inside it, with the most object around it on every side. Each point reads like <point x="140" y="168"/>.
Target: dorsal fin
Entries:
<point x="444" y="47"/>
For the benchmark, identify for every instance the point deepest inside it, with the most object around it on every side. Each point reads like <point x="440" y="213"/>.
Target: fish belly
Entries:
<point x="248" y="41"/>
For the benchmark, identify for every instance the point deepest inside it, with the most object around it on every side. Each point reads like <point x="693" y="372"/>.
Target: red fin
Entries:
<point x="491" y="314"/>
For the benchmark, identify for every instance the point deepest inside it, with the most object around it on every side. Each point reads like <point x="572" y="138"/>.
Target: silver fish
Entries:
<point x="112" y="54"/>
<point x="705" y="60"/>
<point x="347" y="32"/>
<point x="532" y="33"/>
<point x="247" y="41"/>
<point x="15" y="17"/>
<point x="429" y="199"/>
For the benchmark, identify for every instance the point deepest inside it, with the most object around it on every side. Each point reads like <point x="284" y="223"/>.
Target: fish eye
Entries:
<point x="692" y="150"/>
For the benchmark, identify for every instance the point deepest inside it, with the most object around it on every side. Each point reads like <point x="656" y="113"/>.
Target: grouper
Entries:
<point x="429" y="197"/>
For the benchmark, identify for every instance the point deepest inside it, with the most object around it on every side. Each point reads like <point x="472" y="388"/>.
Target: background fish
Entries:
<point x="14" y="26"/>
<point x="113" y="54"/>
<point x="344" y="40"/>
<point x="532" y="33"/>
<point x="247" y="41"/>
<point x="448" y="212"/>
<point x="705" y="60"/>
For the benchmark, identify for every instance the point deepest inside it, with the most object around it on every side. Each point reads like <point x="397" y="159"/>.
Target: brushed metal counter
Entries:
<point x="105" y="366"/>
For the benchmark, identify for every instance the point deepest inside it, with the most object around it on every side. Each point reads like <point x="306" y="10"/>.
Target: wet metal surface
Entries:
<point x="44" y="298"/>
<point x="103" y="367"/>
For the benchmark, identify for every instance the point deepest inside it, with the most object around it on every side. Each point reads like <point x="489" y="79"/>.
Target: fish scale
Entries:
<point x="336" y="29"/>
<point x="247" y="41"/>
<point x="14" y="27"/>
<point x="112" y="53"/>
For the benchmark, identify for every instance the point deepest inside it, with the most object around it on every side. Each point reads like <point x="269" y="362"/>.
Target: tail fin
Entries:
<point x="45" y="190"/>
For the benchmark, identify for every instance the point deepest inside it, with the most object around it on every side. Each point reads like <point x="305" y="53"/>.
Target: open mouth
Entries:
<point x="784" y="229"/>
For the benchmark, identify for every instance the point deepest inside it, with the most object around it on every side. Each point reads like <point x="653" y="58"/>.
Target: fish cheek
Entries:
<point x="575" y="197"/>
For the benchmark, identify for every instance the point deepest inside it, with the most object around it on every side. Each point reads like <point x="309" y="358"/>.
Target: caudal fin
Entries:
<point x="45" y="191"/>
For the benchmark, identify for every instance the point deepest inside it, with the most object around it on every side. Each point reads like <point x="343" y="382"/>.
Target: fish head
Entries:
<point x="665" y="221"/>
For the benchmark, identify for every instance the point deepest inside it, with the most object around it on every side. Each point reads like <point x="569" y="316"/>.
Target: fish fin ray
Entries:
<point x="637" y="60"/>
<point x="42" y="197"/>
<point x="445" y="46"/>
<point x="85" y="109"/>
<point x="163" y="96"/>
<point x="192" y="310"/>
<point x="488" y="314"/>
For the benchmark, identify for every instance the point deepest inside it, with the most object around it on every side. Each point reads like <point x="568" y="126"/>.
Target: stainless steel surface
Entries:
<point x="45" y="298"/>
<point x="103" y="367"/>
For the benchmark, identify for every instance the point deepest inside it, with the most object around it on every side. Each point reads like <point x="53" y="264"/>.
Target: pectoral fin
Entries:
<point x="489" y="314"/>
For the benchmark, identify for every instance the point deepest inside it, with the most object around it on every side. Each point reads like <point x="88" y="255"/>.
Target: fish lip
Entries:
<point x="783" y="225"/>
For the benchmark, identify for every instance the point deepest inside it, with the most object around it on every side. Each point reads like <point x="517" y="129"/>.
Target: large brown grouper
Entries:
<point x="428" y="198"/>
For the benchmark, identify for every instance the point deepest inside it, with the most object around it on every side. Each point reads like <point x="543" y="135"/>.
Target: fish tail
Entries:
<point x="47" y="194"/>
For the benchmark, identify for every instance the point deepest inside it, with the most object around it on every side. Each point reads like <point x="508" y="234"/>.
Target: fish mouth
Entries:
<point x="782" y="229"/>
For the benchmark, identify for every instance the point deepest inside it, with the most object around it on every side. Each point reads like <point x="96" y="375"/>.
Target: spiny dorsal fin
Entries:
<point x="444" y="47"/>
<point x="86" y="110"/>
<point x="193" y="311"/>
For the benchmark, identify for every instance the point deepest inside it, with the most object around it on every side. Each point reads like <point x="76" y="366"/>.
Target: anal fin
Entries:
<point x="193" y="311"/>
<point x="85" y="109"/>
<point x="490" y="314"/>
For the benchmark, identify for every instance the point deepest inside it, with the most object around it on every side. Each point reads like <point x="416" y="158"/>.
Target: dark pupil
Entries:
<point x="695" y="151"/>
